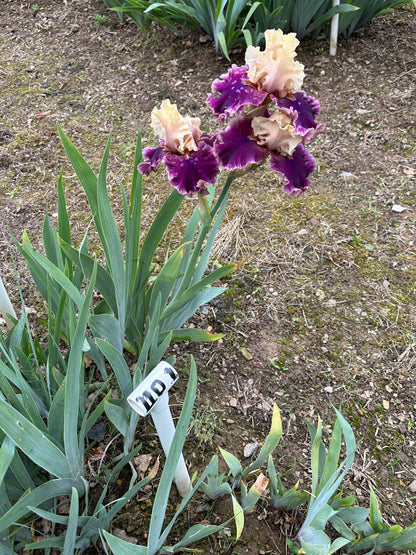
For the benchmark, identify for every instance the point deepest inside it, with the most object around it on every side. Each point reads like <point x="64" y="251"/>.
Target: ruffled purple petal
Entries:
<point x="190" y="174"/>
<point x="235" y="92"/>
<point x="296" y="169"/>
<point x="235" y="149"/>
<point x="152" y="157"/>
<point x="307" y="108"/>
<point x="207" y="139"/>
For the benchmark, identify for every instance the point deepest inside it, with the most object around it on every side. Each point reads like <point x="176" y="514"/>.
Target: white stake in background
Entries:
<point x="152" y="396"/>
<point x="334" y="31"/>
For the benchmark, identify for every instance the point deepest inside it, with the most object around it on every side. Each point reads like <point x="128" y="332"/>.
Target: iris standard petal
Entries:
<point x="235" y="148"/>
<point x="234" y="93"/>
<point x="296" y="169"/>
<point x="275" y="70"/>
<point x="151" y="157"/>
<point x="190" y="174"/>
<point x="179" y="134"/>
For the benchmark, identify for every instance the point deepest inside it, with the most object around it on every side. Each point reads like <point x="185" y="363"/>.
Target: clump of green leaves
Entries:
<point x="231" y="23"/>
<point x="100" y="18"/>
<point x="354" y="21"/>
<point x="44" y="426"/>
<point x="303" y="16"/>
<point x="137" y="309"/>
<point x="140" y="20"/>
<point x="223" y="21"/>
<point x="359" y="528"/>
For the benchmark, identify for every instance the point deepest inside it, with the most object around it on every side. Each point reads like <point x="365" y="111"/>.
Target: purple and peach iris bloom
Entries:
<point x="186" y="153"/>
<point x="270" y="114"/>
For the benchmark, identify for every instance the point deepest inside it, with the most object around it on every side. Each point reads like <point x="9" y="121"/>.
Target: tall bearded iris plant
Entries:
<point x="126" y="300"/>
<point x="267" y="116"/>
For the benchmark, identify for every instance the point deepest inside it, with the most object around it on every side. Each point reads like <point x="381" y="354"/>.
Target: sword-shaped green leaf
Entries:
<point x="71" y="530"/>
<point x="270" y="444"/>
<point x="121" y="547"/>
<point x="36" y="497"/>
<point x="33" y="442"/>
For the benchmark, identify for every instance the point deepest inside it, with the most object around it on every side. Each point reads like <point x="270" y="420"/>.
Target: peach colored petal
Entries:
<point x="275" y="70"/>
<point x="178" y="133"/>
<point x="275" y="38"/>
<point x="193" y="124"/>
<point x="276" y="133"/>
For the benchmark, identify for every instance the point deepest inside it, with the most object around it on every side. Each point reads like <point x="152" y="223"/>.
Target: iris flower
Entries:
<point x="268" y="116"/>
<point x="187" y="154"/>
<point x="269" y="113"/>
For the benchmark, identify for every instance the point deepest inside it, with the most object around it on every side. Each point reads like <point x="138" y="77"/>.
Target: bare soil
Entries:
<point x="323" y="311"/>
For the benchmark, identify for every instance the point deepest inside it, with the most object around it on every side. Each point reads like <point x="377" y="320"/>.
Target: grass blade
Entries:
<point x="155" y="234"/>
<point x="7" y="451"/>
<point x="133" y="219"/>
<point x="64" y="228"/>
<point x="270" y="444"/>
<point x="104" y="282"/>
<point x="376" y="519"/>
<point x="111" y="242"/>
<point x="49" y="268"/>
<point x="238" y="517"/>
<point x="232" y="462"/>
<point x="84" y="173"/>
<point x="118" y="365"/>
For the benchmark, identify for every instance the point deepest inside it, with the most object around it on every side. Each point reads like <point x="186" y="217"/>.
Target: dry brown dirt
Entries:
<point x="322" y="313"/>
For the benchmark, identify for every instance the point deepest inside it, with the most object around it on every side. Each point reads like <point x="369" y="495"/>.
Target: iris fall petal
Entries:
<point x="190" y="174"/>
<point x="296" y="170"/>
<point x="235" y="148"/>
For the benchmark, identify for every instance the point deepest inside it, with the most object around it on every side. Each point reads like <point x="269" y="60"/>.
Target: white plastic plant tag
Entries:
<point x="151" y="396"/>
<point x="149" y="391"/>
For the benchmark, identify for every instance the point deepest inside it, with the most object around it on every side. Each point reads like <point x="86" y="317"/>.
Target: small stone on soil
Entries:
<point x="250" y="449"/>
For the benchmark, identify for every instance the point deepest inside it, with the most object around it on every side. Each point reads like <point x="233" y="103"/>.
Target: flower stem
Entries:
<point x="204" y="210"/>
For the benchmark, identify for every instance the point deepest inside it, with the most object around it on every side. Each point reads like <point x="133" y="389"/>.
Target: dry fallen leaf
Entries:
<point x="153" y="471"/>
<point x="96" y="453"/>
<point x="42" y="115"/>
<point x="261" y="483"/>
<point x="142" y="462"/>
